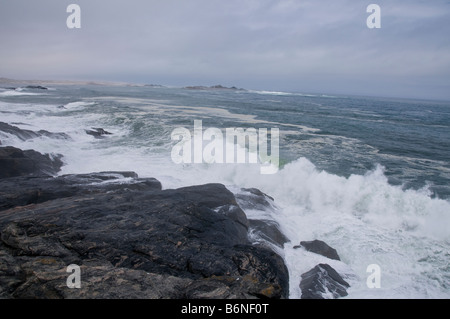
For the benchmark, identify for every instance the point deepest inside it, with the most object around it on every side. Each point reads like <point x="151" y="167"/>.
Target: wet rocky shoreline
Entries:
<point x="132" y="239"/>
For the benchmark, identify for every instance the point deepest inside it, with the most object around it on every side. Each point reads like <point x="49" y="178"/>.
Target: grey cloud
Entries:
<point x="321" y="46"/>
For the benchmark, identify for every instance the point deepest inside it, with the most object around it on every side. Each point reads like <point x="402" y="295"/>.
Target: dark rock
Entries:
<point x="98" y="132"/>
<point x="262" y="231"/>
<point x="154" y="85"/>
<point x="252" y="198"/>
<point x="132" y="240"/>
<point x="22" y="191"/>
<point x="323" y="282"/>
<point x="57" y="136"/>
<point x="267" y="230"/>
<point x="235" y="213"/>
<point x="15" y="162"/>
<point x="45" y="278"/>
<point x="20" y="133"/>
<point x="229" y="287"/>
<point x="28" y="134"/>
<point x="36" y="87"/>
<point x="321" y="248"/>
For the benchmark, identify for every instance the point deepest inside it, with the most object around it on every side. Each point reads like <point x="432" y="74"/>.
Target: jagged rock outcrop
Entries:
<point x="264" y="231"/>
<point x="98" y="132"/>
<point x="16" y="162"/>
<point x="321" y="248"/>
<point x="36" y="87"/>
<point x="24" y="134"/>
<point x="323" y="282"/>
<point x="131" y="239"/>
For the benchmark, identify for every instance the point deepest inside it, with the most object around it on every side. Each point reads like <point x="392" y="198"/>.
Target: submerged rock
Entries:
<point x="20" y="133"/>
<point x="36" y="87"/>
<point x="321" y="248"/>
<point x="323" y="282"/>
<point x="98" y="132"/>
<point x="25" y="135"/>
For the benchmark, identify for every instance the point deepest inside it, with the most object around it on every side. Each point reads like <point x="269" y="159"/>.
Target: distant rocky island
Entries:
<point x="43" y="84"/>
<point x="214" y="87"/>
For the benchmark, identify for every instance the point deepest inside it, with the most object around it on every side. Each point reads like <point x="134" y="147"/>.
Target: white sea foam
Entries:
<point x="77" y="105"/>
<point x="367" y="220"/>
<point x="281" y="93"/>
<point x="272" y="93"/>
<point x="10" y="93"/>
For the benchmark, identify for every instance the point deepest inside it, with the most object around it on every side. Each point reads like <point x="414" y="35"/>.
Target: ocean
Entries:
<point x="370" y="176"/>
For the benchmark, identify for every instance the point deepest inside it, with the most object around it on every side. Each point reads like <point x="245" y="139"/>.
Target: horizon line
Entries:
<point x="211" y="87"/>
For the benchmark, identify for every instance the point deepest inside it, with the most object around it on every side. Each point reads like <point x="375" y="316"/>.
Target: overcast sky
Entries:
<point x="316" y="46"/>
